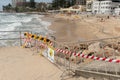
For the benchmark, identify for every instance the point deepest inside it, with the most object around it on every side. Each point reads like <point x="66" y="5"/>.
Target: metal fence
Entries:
<point x="12" y="38"/>
<point x="103" y="66"/>
<point x="108" y="49"/>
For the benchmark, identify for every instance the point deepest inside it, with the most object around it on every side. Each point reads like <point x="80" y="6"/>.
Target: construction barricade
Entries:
<point x="97" y="56"/>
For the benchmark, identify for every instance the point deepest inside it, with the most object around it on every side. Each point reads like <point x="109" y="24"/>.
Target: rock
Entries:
<point x="76" y="59"/>
<point x="108" y="51"/>
<point x="82" y="78"/>
<point x="83" y="46"/>
<point x="95" y="47"/>
<point x="91" y="78"/>
<point x="86" y="52"/>
<point x="117" y="57"/>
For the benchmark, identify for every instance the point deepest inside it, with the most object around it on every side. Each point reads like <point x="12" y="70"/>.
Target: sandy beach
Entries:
<point x="20" y="64"/>
<point x="72" y="28"/>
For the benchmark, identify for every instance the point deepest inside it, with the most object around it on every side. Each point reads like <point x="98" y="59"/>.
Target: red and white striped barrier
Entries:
<point x="90" y="57"/>
<point x="28" y="41"/>
<point x="51" y="44"/>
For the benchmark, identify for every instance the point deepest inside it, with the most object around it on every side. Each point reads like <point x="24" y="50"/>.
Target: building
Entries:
<point x="32" y="0"/>
<point x="74" y="9"/>
<point x="117" y="10"/>
<point x="104" y="7"/>
<point x="116" y="0"/>
<point x="80" y="2"/>
<point x="14" y="2"/>
<point x="89" y="5"/>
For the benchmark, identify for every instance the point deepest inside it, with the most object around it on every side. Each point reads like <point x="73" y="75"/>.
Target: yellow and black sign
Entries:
<point x="39" y="38"/>
<point x="28" y="35"/>
<point x="25" y="34"/>
<point x="44" y="40"/>
<point x="35" y="36"/>
<point x="48" y="40"/>
<point x="32" y="36"/>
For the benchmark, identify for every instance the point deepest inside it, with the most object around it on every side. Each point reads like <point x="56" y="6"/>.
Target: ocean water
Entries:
<point x="21" y="22"/>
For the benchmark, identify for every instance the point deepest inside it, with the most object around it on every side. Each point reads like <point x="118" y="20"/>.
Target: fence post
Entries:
<point x="20" y="38"/>
<point x="54" y="40"/>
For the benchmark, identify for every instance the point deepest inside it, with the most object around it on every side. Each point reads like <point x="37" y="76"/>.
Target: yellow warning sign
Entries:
<point x="51" y="54"/>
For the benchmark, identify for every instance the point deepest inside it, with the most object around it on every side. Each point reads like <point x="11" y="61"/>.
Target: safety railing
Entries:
<point x="11" y="38"/>
<point x="98" y="57"/>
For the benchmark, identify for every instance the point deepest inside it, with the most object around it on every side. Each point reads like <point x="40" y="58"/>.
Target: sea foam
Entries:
<point x="22" y="22"/>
